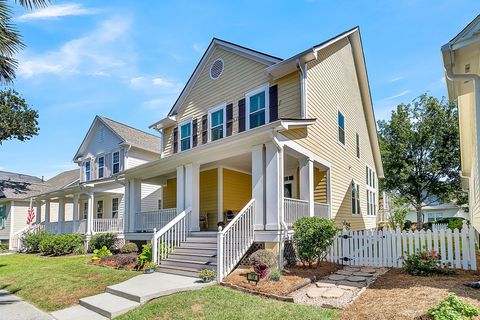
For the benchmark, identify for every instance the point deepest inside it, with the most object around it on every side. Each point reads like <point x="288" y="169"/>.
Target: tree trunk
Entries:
<point x="419" y="218"/>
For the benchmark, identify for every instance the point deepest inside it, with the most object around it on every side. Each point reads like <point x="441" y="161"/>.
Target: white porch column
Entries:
<point x="38" y="215"/>
<point x="134" y="203"/>
<point x="329" y="192"/>
<point x="273" y="186"/>
<point x="220" y="193"/>
<point x="61" y="215"/>
<point x="258" y="185"/>
<point x="306" y="183"/>
<point x="90" y="214"/>
<point x="47" y="212"/>
<point x="75" y="216"/>
<point x="192" y="194"/>
<point x="180" y="189"/>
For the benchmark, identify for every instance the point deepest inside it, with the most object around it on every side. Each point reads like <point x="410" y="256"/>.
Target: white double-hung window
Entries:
<point x="87" y="170"/>
<point x="116" y="162"/>
<point x="257" y="107"/>
<point x="101" y="167"/>
<point x="371" y="192"/>
<point x="355" y="198"/>
<point x="217" y="122"/>
<point x="186" y="135"/>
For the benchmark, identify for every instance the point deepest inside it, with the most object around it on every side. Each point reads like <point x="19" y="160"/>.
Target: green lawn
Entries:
<point x="222" y="303"/>
<point x="55" y="283"/>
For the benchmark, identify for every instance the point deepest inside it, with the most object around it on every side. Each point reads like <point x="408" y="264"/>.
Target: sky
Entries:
<point x="128" y="60"/>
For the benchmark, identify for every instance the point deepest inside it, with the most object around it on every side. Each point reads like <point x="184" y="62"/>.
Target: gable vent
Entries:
<point x="467" y="68"/>
<point x="216" y="69"/>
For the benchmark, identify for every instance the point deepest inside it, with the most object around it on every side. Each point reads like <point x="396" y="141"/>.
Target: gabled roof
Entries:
<point x="255" y="55"/>
<point x="64" y="179"/>
<point x="464" y="37"/>
<point x="127" y="134"/>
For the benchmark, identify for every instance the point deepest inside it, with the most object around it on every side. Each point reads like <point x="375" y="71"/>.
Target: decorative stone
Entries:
<point x="336" y="277"/>
<point x="362" y="274"/>
<point x="368" y="270"/>
<point x="347" y="288"/>
<point x="315" y="292"/>
<point x="333" y="293"/>
<point x="344" y="272"/>
<point x="356" y="279"/>
<point x="324" y="284"/>
<point x="352" y="269"/>
<point x="351" y="284"/>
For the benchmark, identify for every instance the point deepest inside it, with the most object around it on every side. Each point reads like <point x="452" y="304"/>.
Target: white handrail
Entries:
<point x="234" y="240"/>
<point x="170" y="236"/>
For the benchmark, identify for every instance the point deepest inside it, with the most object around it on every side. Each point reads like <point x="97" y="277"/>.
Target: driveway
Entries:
<point x="14" y="308"/>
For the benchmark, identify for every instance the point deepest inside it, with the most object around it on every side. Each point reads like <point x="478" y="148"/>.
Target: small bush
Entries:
<point x="455" y="224"/>
<point x="60" y="244"/>
<point x="103" y="240"/>
<point x="275" y="275"/>
<point x="3" y="247"/>
<point x="129" y="247"/>
<point x="145" y="256"/>
<point x="100" y="253"/>
<point x="407" y="225"/>
<point x="31" y="241"/>
<point x="451" y="308"/>
<point x="312" y="238"/>
<point x="127" y="261"/>
<point x="424" y="263"/>
<point x="207" y="275"/>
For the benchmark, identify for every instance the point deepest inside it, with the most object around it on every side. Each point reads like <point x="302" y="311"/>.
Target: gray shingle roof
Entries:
<point x="135" y="137"/>
<point x="21" y="186"/>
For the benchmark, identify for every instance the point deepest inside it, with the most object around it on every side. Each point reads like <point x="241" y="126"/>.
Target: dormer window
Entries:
<point x="217" y="123"/>
<point x="101" y="167"/>
<point x="257" y="101"/>
<point x="186" y="136"/>
<point x="116" y="162"/>
<point x="87" y="171"/>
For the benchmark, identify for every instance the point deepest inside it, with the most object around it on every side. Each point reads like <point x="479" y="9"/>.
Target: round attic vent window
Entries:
<point x="216" y="69"/>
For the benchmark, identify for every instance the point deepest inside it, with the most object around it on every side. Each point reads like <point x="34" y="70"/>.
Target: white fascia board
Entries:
<point x="164" y="123"/>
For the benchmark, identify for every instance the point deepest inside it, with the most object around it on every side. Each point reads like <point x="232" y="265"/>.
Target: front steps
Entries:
<point x="198" y="252"/>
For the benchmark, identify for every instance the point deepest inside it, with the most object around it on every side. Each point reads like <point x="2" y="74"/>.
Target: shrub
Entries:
<point x="312" y="238"/>
<point x="31" y="241"/>
<point x="275" y="275"/>
<point x="129" y="247"/>
<point x="424" y="263"/>
<point x="3" y="247"/>
<point x="103" y="239"/>
<point x="100" y="253"/>
<point x="407" y="225"/>
<point x="455" y="224"/>
<point x="453" y="308"/>
<point x="145" y="256"/>
<point x="60" y="244"/>
<point x="126" y="261"/>
<point x="207" y="275"/>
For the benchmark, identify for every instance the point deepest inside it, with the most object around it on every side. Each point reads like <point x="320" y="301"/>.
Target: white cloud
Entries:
<point x="401" y="94"/>
<point x="162" y="82"/>
<point x="153" y="84"/>
<point x="198" y="48"/>
<point x="100" y="52"/>
<point x="395" y="79"/>
<point x="158" y="103"/>
<point x="56" y="11"/>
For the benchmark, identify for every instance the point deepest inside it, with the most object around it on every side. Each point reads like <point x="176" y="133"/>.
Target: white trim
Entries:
<point x="223" y="107"/>
<point x="210" y="69"/>
<point x="118" y="207"/>
<point x="12" y="213"/>
<point x="300" y="149"/>
<point x="220" y="193"/>
<point x="263" y="88"/>
<point x="286" y="173"/>
<point x="103" y="207"/>
<point x="187" y="121"/>
<point x="84" y="164"/>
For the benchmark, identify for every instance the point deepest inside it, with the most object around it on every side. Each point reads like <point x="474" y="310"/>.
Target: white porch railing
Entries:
<point x="294" y="209"/>
<point x="321" y="210"/>
<point x="170" y="236"/>
<point x="439" y="226"/>
<point x="114" y="225"/>
<point x="147" y="221"/>
<point x="235" y="239"/>
<point x="51" y="227"/>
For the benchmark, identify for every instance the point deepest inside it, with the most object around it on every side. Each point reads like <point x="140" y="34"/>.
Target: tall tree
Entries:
<point x="17" y="119"/>
<point x="420" y="147"/>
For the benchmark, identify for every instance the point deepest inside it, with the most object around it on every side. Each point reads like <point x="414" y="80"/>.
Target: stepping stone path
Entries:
<point x="338" y="289"/>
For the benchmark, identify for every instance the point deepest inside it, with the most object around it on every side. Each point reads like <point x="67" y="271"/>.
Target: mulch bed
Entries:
<point x="398" y="296"/>
<point x="123" y="261"/>
<point x="292" y="279"/>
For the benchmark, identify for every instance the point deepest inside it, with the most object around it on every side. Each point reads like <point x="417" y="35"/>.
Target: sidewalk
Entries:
<point x="14" y="308"/>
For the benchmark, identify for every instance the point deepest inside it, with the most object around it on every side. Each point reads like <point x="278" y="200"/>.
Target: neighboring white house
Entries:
<point x="434" y="213"/>
<point x="461" y="60"/>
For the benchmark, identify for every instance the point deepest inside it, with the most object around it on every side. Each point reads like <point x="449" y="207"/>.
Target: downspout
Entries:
<point x="283" y="224"/>
<point x="303" y="88"/>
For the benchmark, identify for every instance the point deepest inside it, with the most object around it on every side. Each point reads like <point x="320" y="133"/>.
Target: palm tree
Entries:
<point x="10" y="39"/>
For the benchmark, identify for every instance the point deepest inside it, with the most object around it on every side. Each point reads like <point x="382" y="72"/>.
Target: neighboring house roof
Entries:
<point x="17" y="186"/>
<point x="127" y="134"/>
<point x="278" y="67"/>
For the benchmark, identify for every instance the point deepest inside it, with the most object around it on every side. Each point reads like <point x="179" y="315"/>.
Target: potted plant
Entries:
<point x="207" y="275"/>
<point x="262" y="261"/>
<point x="149" y="267"/>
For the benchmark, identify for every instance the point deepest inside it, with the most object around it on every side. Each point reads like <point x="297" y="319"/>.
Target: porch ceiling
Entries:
<point x="242" y="162"/>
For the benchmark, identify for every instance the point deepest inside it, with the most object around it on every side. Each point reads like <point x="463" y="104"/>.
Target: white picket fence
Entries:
<point x="388" y="248"/>
<point x="440" y="226"/>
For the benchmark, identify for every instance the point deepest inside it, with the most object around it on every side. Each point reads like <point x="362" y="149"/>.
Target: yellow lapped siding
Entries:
<point x="240" y="76"/>
<point x="320" y="186"/>
<point x="209" y="197"/>
<point x="237" y="190"/>
<point x="170" y="194"/>
<point x="332" y="86"/>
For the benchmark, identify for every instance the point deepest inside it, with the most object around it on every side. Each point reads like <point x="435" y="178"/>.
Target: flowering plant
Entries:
<point x="424" y="263"/>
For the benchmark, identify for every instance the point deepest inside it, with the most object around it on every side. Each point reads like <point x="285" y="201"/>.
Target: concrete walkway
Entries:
<point x="14" y="308"/>
<point x="123" y="297"/>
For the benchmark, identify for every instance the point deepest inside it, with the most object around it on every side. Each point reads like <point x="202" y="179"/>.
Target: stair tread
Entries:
<point x="203" y="255"/>
<point x="178" y="268"/>
<point x="191" y="261"/>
